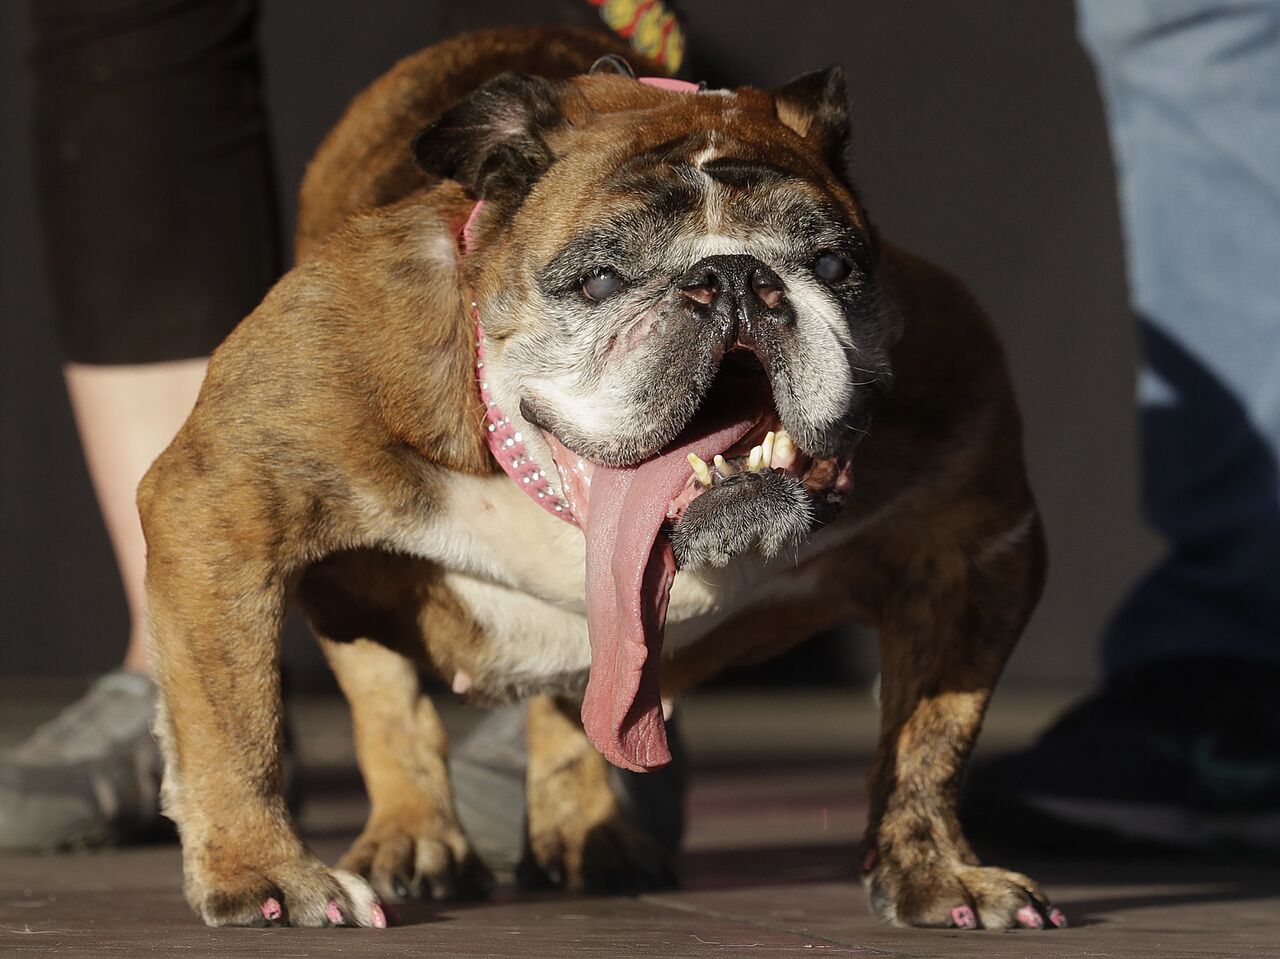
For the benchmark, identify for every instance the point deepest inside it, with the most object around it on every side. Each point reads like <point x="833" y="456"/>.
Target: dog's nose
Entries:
<point x="739" y="285"/>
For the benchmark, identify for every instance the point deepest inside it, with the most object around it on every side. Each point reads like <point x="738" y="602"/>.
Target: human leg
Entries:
<point x="1178" y="745"/>
<point x="1192" y="90"/>
<point x="153" y="174"/>
<point x="126" y="416"/>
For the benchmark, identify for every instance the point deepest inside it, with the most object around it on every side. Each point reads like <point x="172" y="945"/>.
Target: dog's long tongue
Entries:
<point x="630" y="569"/>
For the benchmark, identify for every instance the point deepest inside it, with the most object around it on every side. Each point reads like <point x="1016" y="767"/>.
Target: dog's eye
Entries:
<point x="832" y="267"/>
<point x="600" y="284"/>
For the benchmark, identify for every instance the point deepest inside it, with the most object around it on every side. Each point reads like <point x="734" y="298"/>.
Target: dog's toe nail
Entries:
<point x="1029" y="918"/>
<point x="377" y="918"/>
<point x="1057" y="918"/>
<point x="271" y="910"/>
<point x="964" y="918"/>
<point x="870" y="859"/>
<point x="333" y="912"/>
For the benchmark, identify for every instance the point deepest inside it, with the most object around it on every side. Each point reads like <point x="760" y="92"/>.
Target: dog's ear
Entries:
<point x="493" y="142"/>
<point x="816" y="106"/>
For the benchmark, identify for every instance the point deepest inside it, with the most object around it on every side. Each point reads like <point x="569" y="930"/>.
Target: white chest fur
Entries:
<point x="521" y="573"/>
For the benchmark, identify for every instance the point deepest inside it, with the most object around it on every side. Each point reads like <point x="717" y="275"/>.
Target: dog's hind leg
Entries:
<point x="580" y="836"/>
<point x="950" y="621"/>
<point x="412" y="844"/>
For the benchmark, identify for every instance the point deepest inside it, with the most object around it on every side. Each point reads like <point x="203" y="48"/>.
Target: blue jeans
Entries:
<point x="1192" y="93"/>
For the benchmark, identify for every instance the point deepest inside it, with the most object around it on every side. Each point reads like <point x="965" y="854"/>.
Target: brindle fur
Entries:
<point x="340" y="421"/>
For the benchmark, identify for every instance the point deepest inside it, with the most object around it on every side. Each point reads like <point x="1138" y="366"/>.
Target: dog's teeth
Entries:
<point x="755" y="459"/>
<point x="766" y="460"/>
<point x="722" y="466"/>
<point x="784" y="449"/>
<point x="700" y="469"/>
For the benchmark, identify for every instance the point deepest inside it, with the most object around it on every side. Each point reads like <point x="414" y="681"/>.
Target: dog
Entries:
<point x="584" y="387"/>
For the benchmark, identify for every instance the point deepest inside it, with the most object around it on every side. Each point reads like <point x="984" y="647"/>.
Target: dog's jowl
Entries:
<point x="584" y="387"/>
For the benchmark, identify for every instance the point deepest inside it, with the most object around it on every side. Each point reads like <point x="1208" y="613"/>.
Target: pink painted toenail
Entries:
<point x="1029" y="918"/>
<point x="1057" y="918"/>
<point x="333" y="912"/>
<point x="377" y="918"/>
<point x="271" y="910"/>
<point x="964" y="918"/>
<point x="870" y="859"/>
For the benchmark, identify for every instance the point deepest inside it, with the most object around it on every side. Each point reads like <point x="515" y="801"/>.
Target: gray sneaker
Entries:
<point x="88" y="777"/>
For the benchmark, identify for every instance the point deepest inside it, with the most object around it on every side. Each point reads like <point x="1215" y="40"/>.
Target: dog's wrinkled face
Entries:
<point x="676" y="265"/>
<point x="678" y="298"/>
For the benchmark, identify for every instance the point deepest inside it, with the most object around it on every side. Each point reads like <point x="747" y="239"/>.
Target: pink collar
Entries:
<point x="506" y="443"/>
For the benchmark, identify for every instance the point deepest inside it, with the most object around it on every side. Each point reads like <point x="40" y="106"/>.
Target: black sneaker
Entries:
<point x="1185" y="754"/>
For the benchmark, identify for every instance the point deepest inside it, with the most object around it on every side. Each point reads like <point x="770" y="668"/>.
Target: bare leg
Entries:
<point x="126" y="416"/>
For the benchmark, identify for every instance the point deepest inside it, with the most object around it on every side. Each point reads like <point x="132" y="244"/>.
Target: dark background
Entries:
<point x="979" y="142"/>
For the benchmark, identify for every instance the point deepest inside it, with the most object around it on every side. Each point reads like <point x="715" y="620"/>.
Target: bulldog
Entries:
<point x="584" y="386"/>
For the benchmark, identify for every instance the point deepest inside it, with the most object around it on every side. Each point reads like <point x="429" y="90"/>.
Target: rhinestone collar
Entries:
<point x="506" y="443"/>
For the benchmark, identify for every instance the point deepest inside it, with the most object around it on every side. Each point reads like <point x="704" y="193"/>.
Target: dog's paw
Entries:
<point x="417" y="860"/>
<point x="769" y="511"/>
<point x="608" y="857"/>
<point x="960" y="897"/>
<point x="302" y="892"/>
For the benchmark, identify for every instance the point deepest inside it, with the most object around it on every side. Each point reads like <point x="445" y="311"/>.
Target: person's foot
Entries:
<point x="1181" y="755"/>
<point x="90" y="776"/>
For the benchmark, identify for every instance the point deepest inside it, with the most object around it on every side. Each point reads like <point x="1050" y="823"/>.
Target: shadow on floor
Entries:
<point x="1152" y="880"/>
<point x="789" y="864"/>
<point x="1090" y="885"/>
<point x="1160" y="880"/>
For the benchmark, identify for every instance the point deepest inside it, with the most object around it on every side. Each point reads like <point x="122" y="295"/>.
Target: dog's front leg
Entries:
<point x="217" y="583"/>
<point x="412" y="844"/>
<point x="946" y="633"/>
